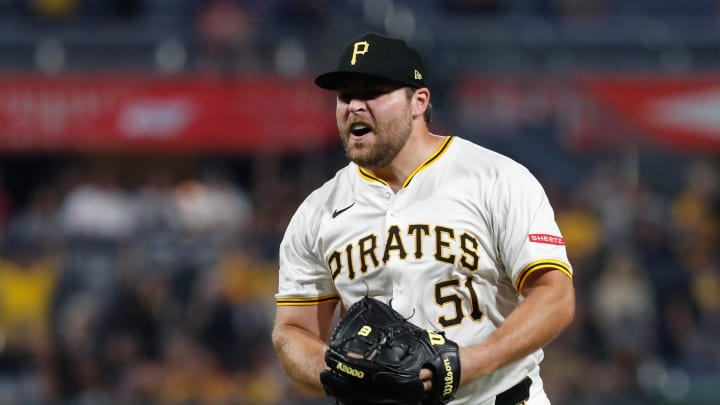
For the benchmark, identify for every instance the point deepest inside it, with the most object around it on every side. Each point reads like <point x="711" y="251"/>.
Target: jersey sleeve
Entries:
<point x="528" y="236"/>
<point x="303" y="277"/>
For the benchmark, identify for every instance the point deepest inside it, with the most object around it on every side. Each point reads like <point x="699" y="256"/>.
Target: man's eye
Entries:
<point x="369" y="95"/>
<point x="346" y="98"/>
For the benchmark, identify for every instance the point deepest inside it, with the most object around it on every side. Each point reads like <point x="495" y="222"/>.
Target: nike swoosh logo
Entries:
<point x="340" y="211"/>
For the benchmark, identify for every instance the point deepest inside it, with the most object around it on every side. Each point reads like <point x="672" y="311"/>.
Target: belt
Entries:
<point x="515" y="395"/>
<point x="518" y="394"/>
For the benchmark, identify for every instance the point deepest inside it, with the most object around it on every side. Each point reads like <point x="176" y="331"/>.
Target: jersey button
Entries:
<point x="388" y="194"/>
<point x="393" y="213"/>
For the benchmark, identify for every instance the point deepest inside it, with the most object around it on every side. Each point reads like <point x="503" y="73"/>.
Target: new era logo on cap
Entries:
<point x="378" y="56"/>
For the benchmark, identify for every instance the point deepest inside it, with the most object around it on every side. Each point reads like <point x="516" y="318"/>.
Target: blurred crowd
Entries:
<point x="291" y="36"/>
<point x="647" y="274"/>
<point x="160" y="291"/>
<point x="144" y="293"/>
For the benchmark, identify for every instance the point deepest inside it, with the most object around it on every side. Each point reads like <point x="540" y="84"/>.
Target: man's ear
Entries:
<point x="420" y="101"/>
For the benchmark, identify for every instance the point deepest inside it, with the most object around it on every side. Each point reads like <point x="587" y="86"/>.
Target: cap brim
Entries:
<point x="335" y="80"/>
<point x="331" y="80"/>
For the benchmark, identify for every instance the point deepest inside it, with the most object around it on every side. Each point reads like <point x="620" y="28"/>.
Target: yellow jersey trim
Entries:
<point x="540" y="265"/>
<point x="369" y="176"/>
<point x="432" y="159"/>
<point x="306" y="301"/>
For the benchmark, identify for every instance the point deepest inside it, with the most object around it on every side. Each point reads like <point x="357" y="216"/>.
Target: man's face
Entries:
<point x="374" y="119"/>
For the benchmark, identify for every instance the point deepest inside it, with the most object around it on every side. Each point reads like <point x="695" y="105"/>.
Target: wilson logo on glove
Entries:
<point x="436" y="339"/>
<point x="449" y="386"/>
<point x="365" y="331"/>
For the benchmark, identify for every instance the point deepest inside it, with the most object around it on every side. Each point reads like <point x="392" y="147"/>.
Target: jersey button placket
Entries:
<point x="390" y="213"/>
<point x="391" y="217"/>
<point x="394" y="208"/>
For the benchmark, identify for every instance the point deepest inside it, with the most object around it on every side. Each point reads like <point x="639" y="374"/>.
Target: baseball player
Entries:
<point x="456" y="237"/>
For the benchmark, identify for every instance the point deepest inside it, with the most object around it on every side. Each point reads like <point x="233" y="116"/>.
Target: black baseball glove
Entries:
<point x="375" y="356"/>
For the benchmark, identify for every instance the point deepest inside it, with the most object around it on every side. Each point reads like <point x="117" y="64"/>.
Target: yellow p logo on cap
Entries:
<point x="359" y="48"/>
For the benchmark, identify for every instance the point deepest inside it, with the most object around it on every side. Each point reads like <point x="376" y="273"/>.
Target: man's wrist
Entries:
<point x="474" y="364"/>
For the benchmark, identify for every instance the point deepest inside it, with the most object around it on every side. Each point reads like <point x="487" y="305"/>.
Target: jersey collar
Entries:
<point x="430" y="160"/>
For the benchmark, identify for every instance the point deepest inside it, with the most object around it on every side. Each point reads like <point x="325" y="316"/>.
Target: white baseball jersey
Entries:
<point x="451" y="249"/>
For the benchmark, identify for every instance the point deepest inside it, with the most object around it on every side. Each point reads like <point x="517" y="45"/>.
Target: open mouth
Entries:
<point x="360" y="129"/>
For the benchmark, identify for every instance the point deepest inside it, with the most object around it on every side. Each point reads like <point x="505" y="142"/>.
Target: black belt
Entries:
<point x="515" y="395"/>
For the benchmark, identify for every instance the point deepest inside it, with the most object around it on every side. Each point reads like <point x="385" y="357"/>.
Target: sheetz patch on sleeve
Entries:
<point x="544" y="238"/>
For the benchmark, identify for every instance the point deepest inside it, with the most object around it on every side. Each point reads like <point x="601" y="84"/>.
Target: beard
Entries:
<point x="378" y="151"/>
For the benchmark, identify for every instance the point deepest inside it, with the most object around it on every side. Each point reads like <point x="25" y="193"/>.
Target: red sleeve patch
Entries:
<point x="549" y="239"/>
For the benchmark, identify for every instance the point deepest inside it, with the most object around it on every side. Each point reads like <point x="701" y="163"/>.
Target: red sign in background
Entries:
<point x="592" y="111"/>
<point x="676" y="112"/>
<point x="126" y="113"/>
<point x="179" y="114"/>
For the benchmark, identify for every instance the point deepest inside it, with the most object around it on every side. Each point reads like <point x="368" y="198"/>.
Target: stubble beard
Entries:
<point x="380" y="150"/>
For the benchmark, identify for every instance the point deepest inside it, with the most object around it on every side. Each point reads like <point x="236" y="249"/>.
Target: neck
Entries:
<point x="416" y="151"/>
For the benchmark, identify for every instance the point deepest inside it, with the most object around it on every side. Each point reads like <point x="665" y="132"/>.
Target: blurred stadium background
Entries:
<point x="152" y="151"/>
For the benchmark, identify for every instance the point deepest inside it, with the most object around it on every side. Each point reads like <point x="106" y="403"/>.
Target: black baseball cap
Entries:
<point x="379" y="56"/>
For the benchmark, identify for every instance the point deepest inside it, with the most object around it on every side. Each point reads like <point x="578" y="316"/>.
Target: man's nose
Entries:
<point x="356" y="105"/>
